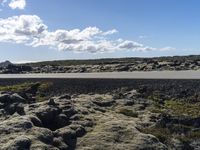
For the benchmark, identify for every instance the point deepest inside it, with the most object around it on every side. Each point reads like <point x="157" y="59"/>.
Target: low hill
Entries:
<point x="5" y="63"/>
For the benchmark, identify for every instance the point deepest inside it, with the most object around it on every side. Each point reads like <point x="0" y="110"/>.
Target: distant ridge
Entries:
<point x="5" y="63"/>
<point x="113" y="60"/>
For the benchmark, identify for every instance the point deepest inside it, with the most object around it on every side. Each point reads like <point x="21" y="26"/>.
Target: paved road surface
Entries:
<point x="114" y="75"/>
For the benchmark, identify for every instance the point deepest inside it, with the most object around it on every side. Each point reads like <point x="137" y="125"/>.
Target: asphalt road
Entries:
<point x="112" y="75"/>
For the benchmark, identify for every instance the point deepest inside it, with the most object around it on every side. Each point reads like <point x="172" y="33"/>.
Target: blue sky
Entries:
<point x="145" y="28"/>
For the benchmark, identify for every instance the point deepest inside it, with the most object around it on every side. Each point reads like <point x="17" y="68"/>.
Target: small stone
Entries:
<point x="21" y="143"/>
<point x="51" y="102"/>
<point x="66" y="96"/>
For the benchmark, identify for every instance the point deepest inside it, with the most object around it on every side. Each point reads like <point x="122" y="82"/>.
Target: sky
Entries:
<point x="39" y="30"/>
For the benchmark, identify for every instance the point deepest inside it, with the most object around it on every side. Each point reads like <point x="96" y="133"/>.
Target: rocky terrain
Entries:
<point x="107" y="65"/>
<point x="39" y="116"/>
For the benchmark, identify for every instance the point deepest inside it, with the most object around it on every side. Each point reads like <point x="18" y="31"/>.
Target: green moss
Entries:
<point x="16" y="88"/>
<point x="156" y="110"/>
<point x="181" y="108"/>
<point x="157" y="102"/>
<point x="128" y="112"/>
<point x="41" y="89"/>
<point x="178" y="107"/>
<point x="175" y="107"/>
<point x="163" y="134"/>
<point x="99" y="98"/>
<point x="44" y="86"/>
<point x="194" y="135"/>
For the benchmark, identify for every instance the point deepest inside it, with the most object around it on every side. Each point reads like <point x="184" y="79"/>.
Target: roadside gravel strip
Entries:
<point x="111" y="75"/>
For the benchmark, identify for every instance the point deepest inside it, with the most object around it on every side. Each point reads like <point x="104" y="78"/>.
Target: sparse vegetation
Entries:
<point x="183" y="108"/>
<point x="42" y="90"/>
<point x="163" y="134"/>
<point x="170" y="114"/>
<point x="173" y="125"/>
<point x="99" y="98"/>
<point x="128" y="112"/>
<point x="193" y="135"/>
<point x="39" y="89"/>
<point x="16" y="88"/>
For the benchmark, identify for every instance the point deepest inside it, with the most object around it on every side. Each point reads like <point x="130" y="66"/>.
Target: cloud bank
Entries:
<point x="30" y="30"/>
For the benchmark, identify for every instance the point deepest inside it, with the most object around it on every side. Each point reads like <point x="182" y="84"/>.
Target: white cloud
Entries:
<point x="110" y="32"/>
<point x="23" y="61"/>
<point x="129" y="45"/>
<point x="86" y="40"/>
<point x="21" y="29"/>
<point x="17" y="4"/>
<point x="168" y="48"/>
<point x="30" y="30"/>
